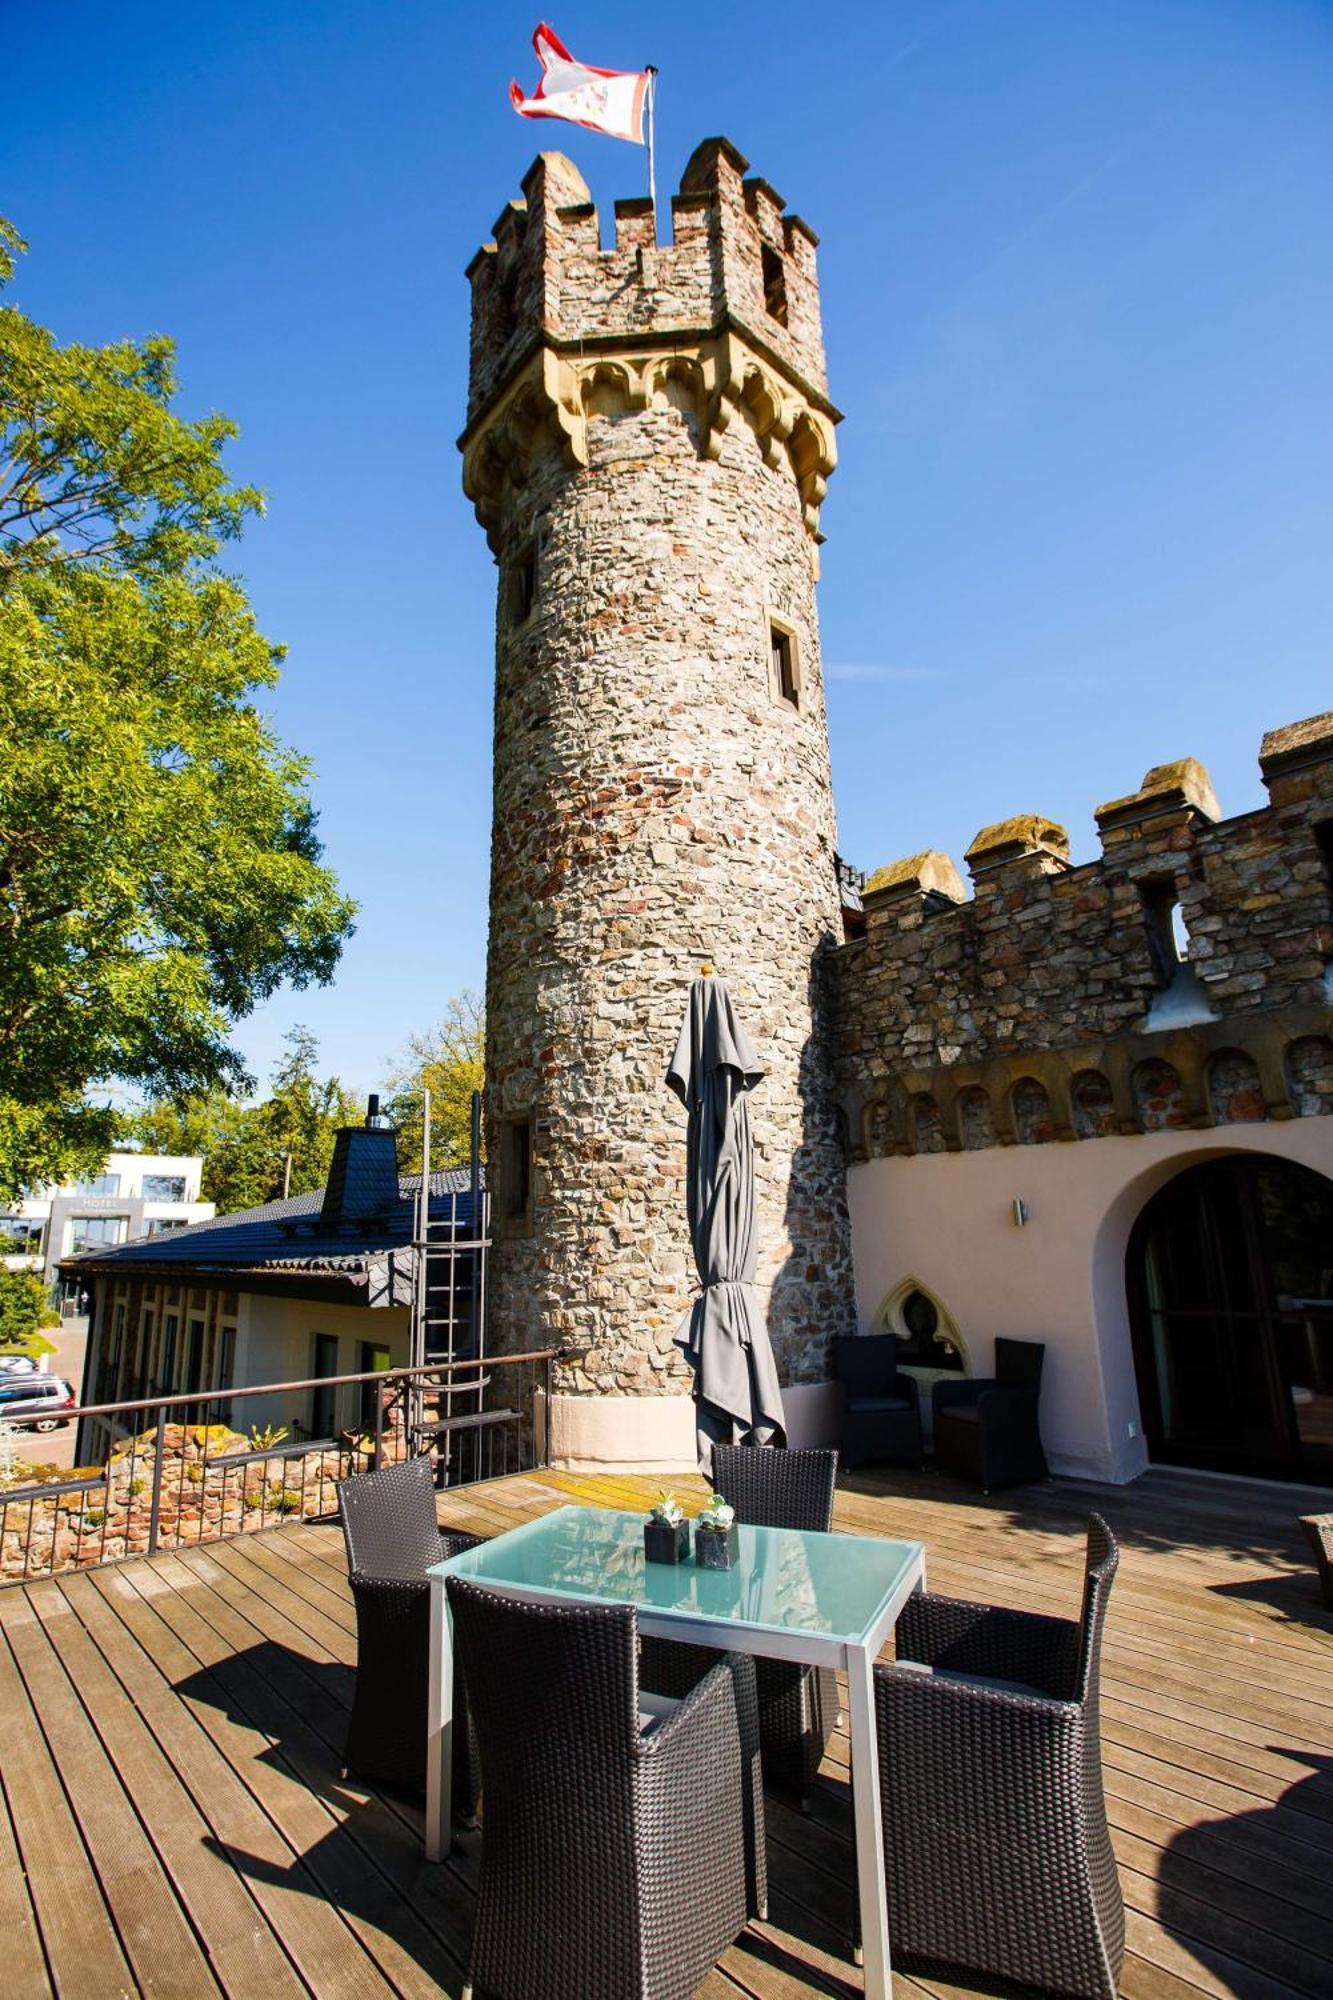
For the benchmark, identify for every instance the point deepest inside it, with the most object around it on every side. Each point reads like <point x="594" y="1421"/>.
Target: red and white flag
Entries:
<point x="605" y="100"/>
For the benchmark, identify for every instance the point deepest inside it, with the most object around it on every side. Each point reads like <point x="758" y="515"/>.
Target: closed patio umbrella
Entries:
<point x="724" y="1339"/>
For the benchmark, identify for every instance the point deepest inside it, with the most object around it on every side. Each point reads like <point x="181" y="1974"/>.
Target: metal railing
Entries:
<point x="166" y="1477"/>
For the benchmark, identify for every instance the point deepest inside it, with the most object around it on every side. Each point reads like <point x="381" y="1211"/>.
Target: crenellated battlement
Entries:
<point x="1184" y="978"/>
<point x="723" y="321"/>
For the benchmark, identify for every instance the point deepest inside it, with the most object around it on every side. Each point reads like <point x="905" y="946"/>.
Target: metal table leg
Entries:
<point x="439" y="1724"/>
<point x="868" y="1825"/>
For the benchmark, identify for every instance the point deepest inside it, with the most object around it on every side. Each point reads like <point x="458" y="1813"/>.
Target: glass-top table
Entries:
<point x="823" y="1600"/>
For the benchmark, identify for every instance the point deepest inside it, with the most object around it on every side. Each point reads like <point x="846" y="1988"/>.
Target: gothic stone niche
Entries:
<point x="926" y="1330"/>
<point x="1234" y="1092"/>
<point x="927" y="1126"/>
<point x="1310" y="1076"/>
<point x="1034" y="1123"/>
<point x="975" y="1125"/>
<point x="1094" y="1106"/>
<point x="879" y="1131"/>
<point x="1159" y="1098"/>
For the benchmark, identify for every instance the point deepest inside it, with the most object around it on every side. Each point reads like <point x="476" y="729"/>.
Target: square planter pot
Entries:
<point x="665" y="1544"/>
<point x="714" y="1550"/>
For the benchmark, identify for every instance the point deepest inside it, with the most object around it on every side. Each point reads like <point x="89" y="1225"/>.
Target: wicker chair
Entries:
<point x="618" y="1857"/>
<point x="995" y="1838"/>
<point x="798" y="1706"/>
<point x="988" y="1429"/>
<point x="393" y="1537"/>
<point x="1318" y="1530"/>
<point x="881" y="1411"/>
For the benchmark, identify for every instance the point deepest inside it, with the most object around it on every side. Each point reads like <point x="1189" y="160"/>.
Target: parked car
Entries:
<point x="17" y="1364"/>
<point x="36" y="1402"/>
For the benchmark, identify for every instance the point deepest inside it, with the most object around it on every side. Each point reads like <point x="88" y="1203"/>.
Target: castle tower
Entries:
<point x="649" y="436"/>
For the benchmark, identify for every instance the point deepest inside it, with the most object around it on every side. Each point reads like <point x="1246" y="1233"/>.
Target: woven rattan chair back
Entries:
<point x="777" y="1489"/>
<point x="1018" y="1363"/>
<point x="1101" y="1563"/>
<point x="866" y="1364"/>
<point x="388" y="1520"/>
<point x="554" y="1695"/>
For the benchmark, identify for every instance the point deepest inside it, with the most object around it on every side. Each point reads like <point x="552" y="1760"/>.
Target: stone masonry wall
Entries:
<point x="1053" y="1004"/>
<point x="658" y="806"/>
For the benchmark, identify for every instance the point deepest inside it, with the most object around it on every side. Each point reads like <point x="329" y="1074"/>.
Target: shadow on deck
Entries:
<point x="175" y="1821"/>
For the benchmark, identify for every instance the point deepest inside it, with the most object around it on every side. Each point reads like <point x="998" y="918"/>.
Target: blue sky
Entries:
<point x="1077" y="266"/>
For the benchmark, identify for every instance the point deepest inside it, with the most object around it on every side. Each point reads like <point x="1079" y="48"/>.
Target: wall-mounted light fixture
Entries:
<point x="1022" y="1213"/>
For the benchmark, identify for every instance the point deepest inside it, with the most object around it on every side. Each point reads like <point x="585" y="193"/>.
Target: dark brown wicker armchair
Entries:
<point x="995" y="1838"/>
<point x="798" y="1706"/>
<point x="619" y="1855"/>
<point x="880" y="1410"/>
<point x="393" y="1537"/>
<point x="988" y="1429"/>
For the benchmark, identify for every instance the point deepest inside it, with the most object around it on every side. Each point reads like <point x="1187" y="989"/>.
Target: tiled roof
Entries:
<point x="288" y="1236"/>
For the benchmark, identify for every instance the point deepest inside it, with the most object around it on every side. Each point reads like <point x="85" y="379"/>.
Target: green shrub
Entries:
<point x="286" y="1502"/>
<point x="24" y="1306"/>
<point x="94" y="1516"/>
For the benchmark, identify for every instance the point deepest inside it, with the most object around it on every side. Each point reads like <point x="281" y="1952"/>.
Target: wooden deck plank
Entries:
<point x="25" y="1961"/>
<point x="78" y="1937"/>
<point x="244" y="1951"/>
<point x="164" y="1953"/>
<point x="244" y="1699"/>
<point x="305" y="1817"/>
<point x="225" y="1820"/>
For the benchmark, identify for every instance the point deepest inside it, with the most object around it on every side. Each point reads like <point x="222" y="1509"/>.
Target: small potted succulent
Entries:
<point x="666" y="1532"/>
<point x="716" y="1540"/>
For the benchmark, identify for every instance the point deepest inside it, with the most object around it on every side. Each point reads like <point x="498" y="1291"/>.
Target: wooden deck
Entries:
<point x="173" y="1821"/>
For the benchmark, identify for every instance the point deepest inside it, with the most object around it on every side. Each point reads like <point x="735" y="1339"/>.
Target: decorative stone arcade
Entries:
<point x="648" y="441"/>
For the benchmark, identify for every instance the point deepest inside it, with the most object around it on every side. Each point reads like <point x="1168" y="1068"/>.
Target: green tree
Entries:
<point x="246" y="1146"/>
<point x="159" y="866"/>
<point x="449" y="1060"/>
<point x="24" y="1307"/>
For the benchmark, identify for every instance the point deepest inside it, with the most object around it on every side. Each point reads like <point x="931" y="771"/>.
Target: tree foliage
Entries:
<point x="24" y="1307"/>
<point x="245" y="1146"/>
<point x="449" y="1061"/>
<point x="159" y="866"/>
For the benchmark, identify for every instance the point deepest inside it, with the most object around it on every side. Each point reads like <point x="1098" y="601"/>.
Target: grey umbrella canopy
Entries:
<point x="724" y="1339"/>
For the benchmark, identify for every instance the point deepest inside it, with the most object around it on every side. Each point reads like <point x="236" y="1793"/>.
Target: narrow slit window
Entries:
<point x="784" y="665"/>
<point x="523" y="584"/>
<point x="519" y="1167"/>
<point x="775" y="284"/>
<point x="1167" y="938"/>
<point x="1323" y="835"/>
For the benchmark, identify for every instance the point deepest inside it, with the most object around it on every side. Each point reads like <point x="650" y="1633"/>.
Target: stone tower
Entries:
<point x="648" y="441"/>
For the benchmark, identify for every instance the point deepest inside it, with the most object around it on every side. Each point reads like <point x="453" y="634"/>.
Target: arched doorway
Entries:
<point x="1230" y="1275"/>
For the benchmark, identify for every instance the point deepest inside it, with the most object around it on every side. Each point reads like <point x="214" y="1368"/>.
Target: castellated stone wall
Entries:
<point x="1057" y="1002"/>
<point x="659" y="805"/>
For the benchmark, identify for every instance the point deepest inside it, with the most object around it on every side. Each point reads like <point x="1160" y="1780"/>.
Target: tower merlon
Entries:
<point x="723" y="322"/>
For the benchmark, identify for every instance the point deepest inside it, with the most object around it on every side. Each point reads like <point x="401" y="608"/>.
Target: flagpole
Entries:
<point x="652" y="168"/>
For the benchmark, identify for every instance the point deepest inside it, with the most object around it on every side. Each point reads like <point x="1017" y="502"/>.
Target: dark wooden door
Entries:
<point x="1226" y="1267"/>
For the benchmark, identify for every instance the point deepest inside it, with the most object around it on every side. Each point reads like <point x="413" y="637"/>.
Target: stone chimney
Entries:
<point x="363" y="1176"/>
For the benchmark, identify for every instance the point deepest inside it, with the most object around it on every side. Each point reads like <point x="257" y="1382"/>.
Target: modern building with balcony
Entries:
<point x="136" y="1195"/>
